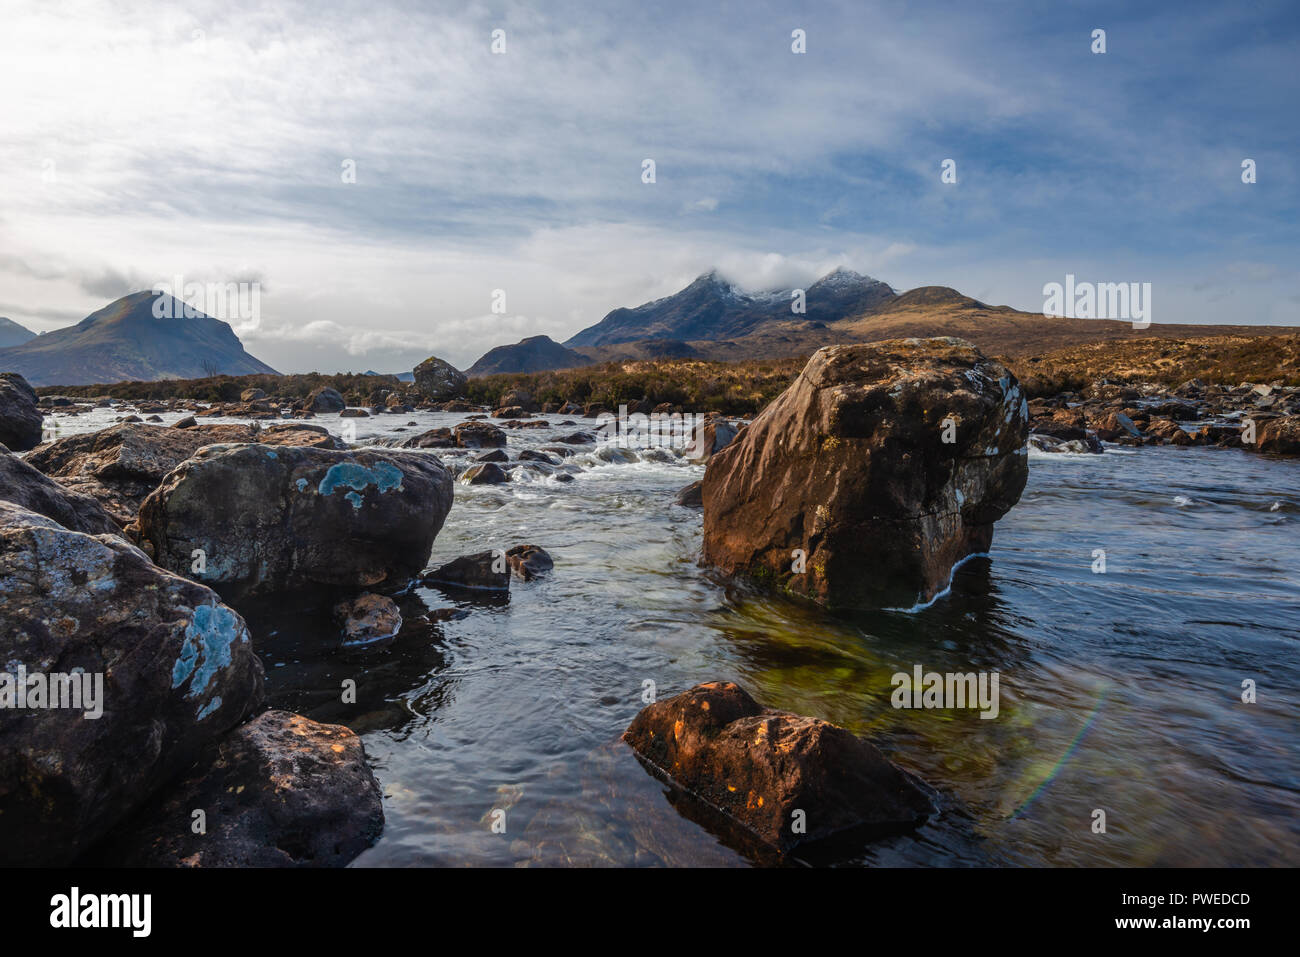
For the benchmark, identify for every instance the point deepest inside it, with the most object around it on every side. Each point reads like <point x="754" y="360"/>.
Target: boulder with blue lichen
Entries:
<point x="253" y="519"/>
<point x="115" y="675"/>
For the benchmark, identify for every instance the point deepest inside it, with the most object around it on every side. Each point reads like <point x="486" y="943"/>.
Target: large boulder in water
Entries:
<point x="121" y="465"/>
<point x="757" y="767"/>
<point x="438" y="380"/>
<point x="279" y="791"/>
<point x="878" y="470"/>
<point x="324" y="400"/>
<point x="269" y="519"/>
<point x="22" y="485"/>
<point x="20" y="420"/>
<point x="169" y="667"/>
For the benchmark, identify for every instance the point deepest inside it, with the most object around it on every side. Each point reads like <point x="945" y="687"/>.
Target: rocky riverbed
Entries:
<point x="492" y="678"/>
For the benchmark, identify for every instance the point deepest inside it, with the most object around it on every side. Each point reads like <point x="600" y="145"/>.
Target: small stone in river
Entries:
<point x="368" y="618"/>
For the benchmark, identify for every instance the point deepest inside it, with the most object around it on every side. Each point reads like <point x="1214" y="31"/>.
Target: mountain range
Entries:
<point x="126" y="342"/>
<point x="713" y="308"/>
<point x="713" y="319"/>
<point x="710" y="319"/>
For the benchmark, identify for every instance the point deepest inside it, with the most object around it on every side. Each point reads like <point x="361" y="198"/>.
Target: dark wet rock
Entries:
<point x="563" y="451"/>
<point x="177" y="668"/>
<point x="354" y="414"/>
<point x="488" y="570"/>
<point x="758" y="767"/>
<point x="496" y="455"/>
<point x="711" y="436"/>
<point x="1169" y="431"/>
<point x="20" y="420"/>
<point x="1221" y="434"/>
<point x="533" y="455"/>
<point x="368" y="618"/>
<point x="854" y="452"/>
<point x="29" y="488"/>
<point x="1280" y="436"/>
<point x="439" y="380"/>
<point x="1085" y="446"/>
<point x="325" y="400"/>
<point x="479" y="435"/>
<point x="1175" y="409"/>
<point x="186" y="423"/>
<point x="485" y="473"/>
<point x="692" y="496"/>
<point x="279" y="518"/>
<point x="528" y="562"/>
<point x="577" y="438"/>
<point x="279" y="791"/>
<point x="447" y="614"/>
<point x="432" y="439"/>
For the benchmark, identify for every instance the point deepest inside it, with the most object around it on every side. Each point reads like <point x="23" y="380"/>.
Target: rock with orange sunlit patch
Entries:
<point x="786" y="779"/>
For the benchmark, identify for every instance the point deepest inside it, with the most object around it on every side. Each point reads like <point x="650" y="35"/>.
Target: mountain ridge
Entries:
<point x="711" y="307"/>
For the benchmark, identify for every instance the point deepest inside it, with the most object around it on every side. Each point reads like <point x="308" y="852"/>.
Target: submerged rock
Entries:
<point x="758" y="767"/>
<point x="174" y="669"/>
<point x="279" y="791"/>
<point x="21" y="421"/>
<point x="879" y="469"/>
<point x="270" y="519"/>
<point x="368" y="618"/>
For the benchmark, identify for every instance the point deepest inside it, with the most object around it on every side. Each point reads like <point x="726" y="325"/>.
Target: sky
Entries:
<point x="214" y="140"/>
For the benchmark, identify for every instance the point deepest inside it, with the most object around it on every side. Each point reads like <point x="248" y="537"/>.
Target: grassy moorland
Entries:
<point x="733" y="388"/>
<point x="225" y="388"/>
<point x="745" y="387"/>
<point x="1223" y="360"/>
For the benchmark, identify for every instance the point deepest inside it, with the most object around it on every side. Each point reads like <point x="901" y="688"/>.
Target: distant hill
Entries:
<point x="533" y="354"/>
<point x="12" y="334"/>
<point x="125" y="342"/>
<point x="712" y="308"/>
